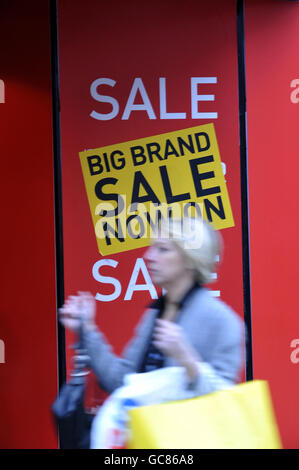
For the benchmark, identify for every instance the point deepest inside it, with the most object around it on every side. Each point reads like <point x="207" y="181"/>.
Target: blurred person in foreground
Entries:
<point x="185" y="327"/>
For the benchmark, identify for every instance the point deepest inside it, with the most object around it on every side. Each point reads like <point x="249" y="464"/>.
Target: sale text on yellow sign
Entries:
<point x="134" y="185"/>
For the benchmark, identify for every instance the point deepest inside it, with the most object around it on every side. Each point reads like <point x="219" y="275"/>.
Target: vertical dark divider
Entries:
<point x="244" y="186"/>
<point x="57" y="189"/>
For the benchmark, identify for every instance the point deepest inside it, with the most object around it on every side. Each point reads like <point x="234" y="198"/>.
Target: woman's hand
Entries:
<point x="169" y="338"/>
<point x="79" y="309"/>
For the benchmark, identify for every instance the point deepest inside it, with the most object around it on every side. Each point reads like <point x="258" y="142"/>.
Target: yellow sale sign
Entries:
<point x="132" y="185"/>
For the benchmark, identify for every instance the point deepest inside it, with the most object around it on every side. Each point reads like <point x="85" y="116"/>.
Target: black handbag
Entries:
<point x="72" y="421"/>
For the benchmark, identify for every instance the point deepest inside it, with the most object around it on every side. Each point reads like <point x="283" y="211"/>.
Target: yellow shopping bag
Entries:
<point x="241" y="417"/>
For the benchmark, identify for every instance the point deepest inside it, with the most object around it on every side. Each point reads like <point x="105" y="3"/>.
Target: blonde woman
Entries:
<point x="185" y="327"/>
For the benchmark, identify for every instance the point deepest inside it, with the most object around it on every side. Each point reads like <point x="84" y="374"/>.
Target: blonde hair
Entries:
<point x="200" y="243"/>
